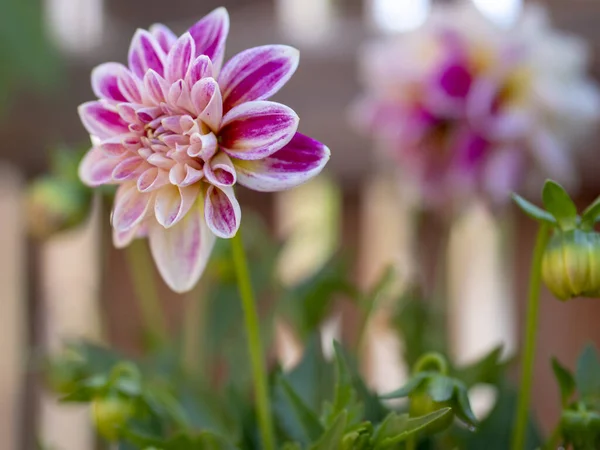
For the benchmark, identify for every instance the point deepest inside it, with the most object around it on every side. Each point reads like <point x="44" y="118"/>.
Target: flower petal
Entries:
<point x="105" y="81"/>
<point x="210" y="34"/>
<point x="200" y="68"/>
<point x="206" y="98"/>
<point x="122" y="239"/>
<point x="101" y="119"/>
<point x="145" y="53"/>
<point x="96" y="168"/>
<point x="152" y="179"/>
<point x="173" y="203"/>
<point x="255" y="130"/>
<point x="182" y="251"/>
<point x="163" y="35"/>
<point x="222" y="211"/>
<point x="257" y="73"/>
<point x="130" y="207"/>
<point x="300" y="160"/>
<point x="113" y="147"/>
<point x="220" y="170"/>
<point x="183" y="174"/>
<point x="129" y="86"/>
<point x="179" y="58"/>
<point x="129" y="168"/>
<point x="156" y="87"/>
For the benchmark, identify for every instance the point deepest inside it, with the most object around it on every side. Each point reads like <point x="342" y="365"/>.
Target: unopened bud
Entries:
<point x="54" y="205"/>
<point x="581" y="428"/>
<point x="110" y="414"/>
<point x="571" y="264"/>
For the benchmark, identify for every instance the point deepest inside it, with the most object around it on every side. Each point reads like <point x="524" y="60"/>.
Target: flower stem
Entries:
<point x="554" y="439"/>
<point x="155" y="327"/>
<point x="255" y="351"/>
<point x="533" y="303"/>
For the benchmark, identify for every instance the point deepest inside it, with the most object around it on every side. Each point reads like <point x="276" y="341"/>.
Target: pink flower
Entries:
<point x="467" y="109"/>
<point x="176" y="132"/>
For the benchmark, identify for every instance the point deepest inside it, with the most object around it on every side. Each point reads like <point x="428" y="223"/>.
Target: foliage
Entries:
<point x="580" y="418"/>
<point x="170" y="403"/>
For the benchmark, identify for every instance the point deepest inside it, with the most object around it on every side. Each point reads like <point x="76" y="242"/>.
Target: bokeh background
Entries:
<point x="67" y="287"/>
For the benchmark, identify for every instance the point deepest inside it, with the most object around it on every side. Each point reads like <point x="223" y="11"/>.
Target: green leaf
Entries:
<point x="410" y="386"/>
<point x="590" y="215"/>
<point x="365" y="404"/>
<point x="559" y="204"/>
<point x="488" y="369"/>
<point x="313" y="377"/>
<point x="291" y="446"/>
<point x="441" y="388"/>
<point x="587" y="375"/>
<point x="332" y="438"/>
<point x="565" y="381"/>
<point x="295" y="416"/>
<point x="533" y="211"/>
<point x="463" y="407"/>
<point x="182" y="441"/>
<point x="397" y="428"/>
<point x="345" y="397"/>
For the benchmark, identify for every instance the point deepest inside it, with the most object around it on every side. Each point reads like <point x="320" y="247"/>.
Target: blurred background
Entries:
<point x="75" y="284"/>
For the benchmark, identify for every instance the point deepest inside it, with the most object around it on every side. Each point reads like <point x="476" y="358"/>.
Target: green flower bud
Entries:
<point x="581" y="428"/>
<point x="110" y="414"/>
<point x="54" y="205"/>
<point x="571" y="264"/>
<point x="421" y="404"/>
<point x="431" y="389"/>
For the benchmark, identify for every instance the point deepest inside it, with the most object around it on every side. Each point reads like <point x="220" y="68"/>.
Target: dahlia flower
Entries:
<point x="467" y="108"/>
<point x="176" y="132"/>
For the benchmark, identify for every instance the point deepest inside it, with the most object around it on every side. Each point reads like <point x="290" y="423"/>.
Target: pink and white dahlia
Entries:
<point x="470" y="109"/>
<point x="176" y="132"/>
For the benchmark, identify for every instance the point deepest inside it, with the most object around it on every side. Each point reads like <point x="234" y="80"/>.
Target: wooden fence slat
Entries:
<point x="71" y="268"/>
<point x="12" y="305"/>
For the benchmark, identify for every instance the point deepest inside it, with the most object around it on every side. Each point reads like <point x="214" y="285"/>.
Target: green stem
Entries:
<point x="192" y="357"/>
<point x="411" y="443"/>
<point x="255" y="351"/>
<point x="554" y="439"/>
<point x="533" y="302"/>
<point x="155" y="327"/>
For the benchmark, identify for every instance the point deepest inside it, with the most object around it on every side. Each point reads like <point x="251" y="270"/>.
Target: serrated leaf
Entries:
<point x="558" y="203"/>
<point x="410" y="386"/>
<point x="440" y="388"/>
<point x="397" y="428"/>
<point x="590" y="215"/>
<point x="587" y="375"/>
<point x="533" y="211"/>
<point x="332" y="438"/>
<point x="463" y="407"/>
<point x="565" y="380"/>
<point x="301" y="423"/>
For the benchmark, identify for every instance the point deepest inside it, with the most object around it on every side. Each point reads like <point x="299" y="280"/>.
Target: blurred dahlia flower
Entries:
<point x="467" y="108"/>
<point x="176" y="133"/>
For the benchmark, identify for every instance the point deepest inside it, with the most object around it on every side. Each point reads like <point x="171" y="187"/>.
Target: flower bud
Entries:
<point x="54" y="205"/>
<point x="421" y="404"/>
<point x="110" y="414"/>
<point x="581" y="428"/>
<point x="571" y="264"/>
